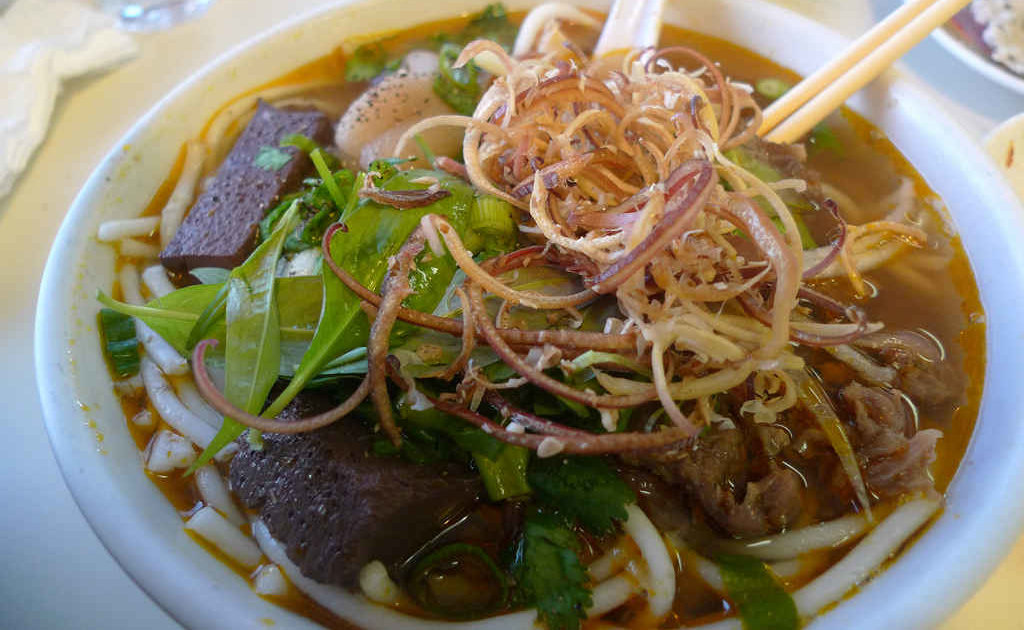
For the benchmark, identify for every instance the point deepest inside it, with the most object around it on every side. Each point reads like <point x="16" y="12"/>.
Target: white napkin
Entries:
<point x="43" y="42"/>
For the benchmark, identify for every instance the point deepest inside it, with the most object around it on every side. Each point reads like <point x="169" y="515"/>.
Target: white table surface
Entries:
<point x="53" y="571"/>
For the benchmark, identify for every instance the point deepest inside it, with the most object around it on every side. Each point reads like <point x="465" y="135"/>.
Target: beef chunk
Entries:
<point x="334" y="506"/>
<point x="717" y="471"/>
<point x="893" y="455"/>
<point x="220" y="229"/>
<point x="924" y="375"/>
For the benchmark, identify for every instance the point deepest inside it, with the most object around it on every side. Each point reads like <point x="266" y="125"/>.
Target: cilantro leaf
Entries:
<point x="550" y="574"/>
<point x="271" y="158"/>
<point x="582" y="488"/>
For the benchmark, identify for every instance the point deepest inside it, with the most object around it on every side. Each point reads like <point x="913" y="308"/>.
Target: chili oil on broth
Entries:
<point x="868" y="168"/>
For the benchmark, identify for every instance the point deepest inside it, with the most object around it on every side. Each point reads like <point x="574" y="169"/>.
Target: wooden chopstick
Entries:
<point x="630" y="24"/>
<point x="814" y="98"/>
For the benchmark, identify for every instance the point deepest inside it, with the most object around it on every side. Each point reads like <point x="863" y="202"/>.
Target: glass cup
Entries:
<point x="152" y="15"/>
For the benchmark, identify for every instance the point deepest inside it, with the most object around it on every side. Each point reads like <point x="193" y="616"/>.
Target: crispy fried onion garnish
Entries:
<point x="623" y="182"/>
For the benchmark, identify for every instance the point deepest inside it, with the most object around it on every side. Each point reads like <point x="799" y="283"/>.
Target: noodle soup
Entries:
<point x="679" y="359"/>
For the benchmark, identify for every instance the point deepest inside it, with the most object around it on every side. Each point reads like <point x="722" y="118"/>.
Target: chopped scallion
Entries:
<point x="772" y="88"/>
<point x="119" y="342"/>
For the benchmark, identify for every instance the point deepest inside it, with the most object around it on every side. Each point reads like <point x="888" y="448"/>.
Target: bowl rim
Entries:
<point x="873" y="603"/>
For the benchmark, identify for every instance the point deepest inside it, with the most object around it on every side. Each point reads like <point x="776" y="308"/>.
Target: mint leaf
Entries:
<point x="271" y="158"/>
<point x="582" y="488"/>
<point x="550" y="574"/>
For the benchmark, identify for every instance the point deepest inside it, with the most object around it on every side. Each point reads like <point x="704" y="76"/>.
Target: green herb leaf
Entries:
<point x="253" y="337"/>
<point x="762" y="602"/>
<point x="210" y="275"/>
<point x="213" y="312"/>
<point x="271" y="158"/>
<point x="174" y="316"/>
<point x="582" y="488"/>
<point x="549" y="573"/>
<point x="375" y="233"/>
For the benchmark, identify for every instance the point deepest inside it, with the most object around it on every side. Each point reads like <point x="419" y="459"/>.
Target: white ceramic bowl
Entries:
<point x="985" y="506"/>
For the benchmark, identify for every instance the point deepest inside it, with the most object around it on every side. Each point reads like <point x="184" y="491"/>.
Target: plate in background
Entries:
<point x="962" y="37"/>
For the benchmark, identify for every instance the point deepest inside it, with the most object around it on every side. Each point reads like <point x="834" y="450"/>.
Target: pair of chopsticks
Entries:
<point x="814" y="98"/>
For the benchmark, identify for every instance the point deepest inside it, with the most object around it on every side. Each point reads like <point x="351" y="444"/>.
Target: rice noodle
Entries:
<point x="117" y="229"/>
<point x="660" y="584"/>
<point x="794" y="543"/>
<point x="377" y="585"/>
<point x="155" y="279"/>
<point x="132" y="248"/>
<point x="869" y="554"/>
<point x="610" y="594"/>
<point x="177" y="205"/>
<point x="360" y="611"/>
<point x="215" y="493"/>
<point x="174" y="413"/>
<point x="609" y="564"/>
<point x="192" y="399"/>
<point x="157" y="348"/>
<point x="270" y="580"/>
<point x="167" y="451"/>
<point x="225" y="536"/>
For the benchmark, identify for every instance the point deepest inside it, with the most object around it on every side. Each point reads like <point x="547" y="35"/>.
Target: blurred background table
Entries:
<point x="56" y="573"/>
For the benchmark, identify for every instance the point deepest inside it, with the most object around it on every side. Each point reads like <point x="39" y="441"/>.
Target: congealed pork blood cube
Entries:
<point x="335" y="506"/>
<point x="220" y="229"/>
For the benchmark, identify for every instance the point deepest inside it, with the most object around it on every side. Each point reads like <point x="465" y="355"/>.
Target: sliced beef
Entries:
<point x="924" y="374"/>
<point x="790" y="160"/>
<point x="718" y="470"/>
<point x="335" y="507"/>
<point x="220" y="229"/>
<point x="893" y="456"/>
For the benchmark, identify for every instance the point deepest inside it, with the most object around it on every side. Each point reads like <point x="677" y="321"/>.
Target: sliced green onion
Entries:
<point x="119" y="342"/>
<point x="762" y="602"/>
<point x="328" y="177"/>
<point x="492" y="215"/>
<point x="300" y="142"/>
<point x="459" y="581"/>
<point x="504" y="476"/>
<point x="772" y="88"/>
<point x="823" y="137"/>
<point x="593" y="357"/>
